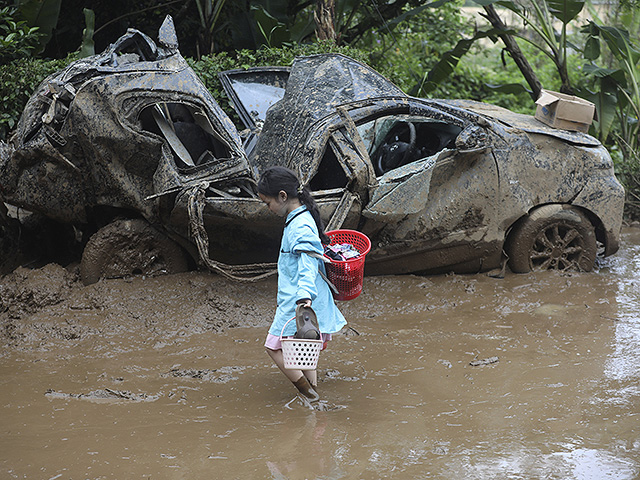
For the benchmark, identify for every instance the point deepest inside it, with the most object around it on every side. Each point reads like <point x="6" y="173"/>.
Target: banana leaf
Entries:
<point x="43" y="14"/>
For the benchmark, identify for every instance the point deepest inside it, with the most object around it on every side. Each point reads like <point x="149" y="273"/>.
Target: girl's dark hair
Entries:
<point x="275" y="179"/>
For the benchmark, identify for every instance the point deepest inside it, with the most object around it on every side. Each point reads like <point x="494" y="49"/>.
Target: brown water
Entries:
<point x="166" y="378"/>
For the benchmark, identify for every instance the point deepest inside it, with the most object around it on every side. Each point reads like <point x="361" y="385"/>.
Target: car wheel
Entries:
<point x="130" y="247"/>
<point x="553" y="237"/>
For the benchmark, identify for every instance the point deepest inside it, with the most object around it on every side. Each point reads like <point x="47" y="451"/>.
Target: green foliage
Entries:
<point x="627" y="166"/>
<point x="492" y="76"/>
<point x="617" y="98"/>
<point x="42" y="14"/>
<point x="278" y="28"/>
<point x="449" y="61"/>
<point x="540" y="17"/>
<point x="209" y="14"/>
<point x="17" y="38"/>
<point x="87" y="48"/>
<point x="416" y="43"/>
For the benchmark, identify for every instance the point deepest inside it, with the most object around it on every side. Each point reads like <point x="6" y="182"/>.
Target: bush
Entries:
<point x="628" y="172"/>
<point x="17" y="38"/>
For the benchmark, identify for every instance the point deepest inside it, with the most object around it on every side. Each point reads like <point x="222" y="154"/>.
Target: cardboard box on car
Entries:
<point x="566" y="112"/>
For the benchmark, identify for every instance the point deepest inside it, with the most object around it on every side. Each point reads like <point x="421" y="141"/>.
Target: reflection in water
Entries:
<point x="624" y="364"/>
<point x="587" y="464"/>
<point x="572" y="463"/>
<point x="528" y="377"/>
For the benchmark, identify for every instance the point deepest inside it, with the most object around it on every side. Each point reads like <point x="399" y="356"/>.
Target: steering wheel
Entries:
<point x="387" y="159"/>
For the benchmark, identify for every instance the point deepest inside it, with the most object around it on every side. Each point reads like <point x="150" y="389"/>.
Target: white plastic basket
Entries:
<point x="298" y="353"/>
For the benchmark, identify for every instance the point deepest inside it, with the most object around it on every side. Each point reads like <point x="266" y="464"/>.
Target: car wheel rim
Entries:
<point x="557" y="247"/>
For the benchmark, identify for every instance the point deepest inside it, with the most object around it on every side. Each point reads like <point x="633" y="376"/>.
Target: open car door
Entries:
<point x="252" y="92"/>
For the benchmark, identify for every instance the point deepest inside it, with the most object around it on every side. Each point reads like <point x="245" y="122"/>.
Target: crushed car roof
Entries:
<point x="317" y="85"/>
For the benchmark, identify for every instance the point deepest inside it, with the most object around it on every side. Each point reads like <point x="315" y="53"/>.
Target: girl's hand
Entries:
<point x="306" y="302"/>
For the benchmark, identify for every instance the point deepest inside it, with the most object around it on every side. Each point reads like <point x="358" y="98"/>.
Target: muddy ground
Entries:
<point x="442" y="377"/>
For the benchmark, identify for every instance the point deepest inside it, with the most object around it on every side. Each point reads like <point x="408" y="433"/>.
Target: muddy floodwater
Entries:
<point x="531" y="376"/>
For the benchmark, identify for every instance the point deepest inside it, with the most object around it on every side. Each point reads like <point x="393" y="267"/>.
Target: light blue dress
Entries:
<point x="298" y="276"/>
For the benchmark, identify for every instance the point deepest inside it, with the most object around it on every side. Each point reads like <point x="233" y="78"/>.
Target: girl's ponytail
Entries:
<point x="278" y="178"/>
<point x="307" y="200"/>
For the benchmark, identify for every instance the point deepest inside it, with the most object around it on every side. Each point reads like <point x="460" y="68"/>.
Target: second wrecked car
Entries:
<point x="131" y="149"/>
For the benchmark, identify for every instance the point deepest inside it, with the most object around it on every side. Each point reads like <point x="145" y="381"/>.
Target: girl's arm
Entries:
<point x="307" y="273"/>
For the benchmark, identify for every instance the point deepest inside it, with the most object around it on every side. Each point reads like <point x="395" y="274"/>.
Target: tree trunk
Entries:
<point x="324" y="17"/>
<point x="515" y="52"/>
<point x="566" y="81"/>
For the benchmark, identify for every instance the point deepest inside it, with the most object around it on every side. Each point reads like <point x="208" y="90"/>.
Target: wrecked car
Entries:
<point x="130" y="148"/>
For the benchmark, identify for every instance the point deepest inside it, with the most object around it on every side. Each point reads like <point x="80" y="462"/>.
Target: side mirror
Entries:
<point x="472" y="139"/>
<point x="167" y="36"/>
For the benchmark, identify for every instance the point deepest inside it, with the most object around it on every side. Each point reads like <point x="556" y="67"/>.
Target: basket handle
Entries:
<point x="285" y="326"/>
<point x="324" y="277"/>
<point x="317" y="255"/>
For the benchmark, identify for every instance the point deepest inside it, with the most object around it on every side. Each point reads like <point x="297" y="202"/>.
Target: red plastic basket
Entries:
<point x="347" y="275"/>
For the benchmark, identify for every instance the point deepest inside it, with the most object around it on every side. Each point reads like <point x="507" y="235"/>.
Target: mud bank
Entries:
<point x="454" y="376"/>
<point x="48" y="304"/>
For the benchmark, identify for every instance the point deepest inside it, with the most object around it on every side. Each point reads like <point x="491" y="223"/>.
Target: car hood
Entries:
<point x="526" y="123"/>
<point x="317" y="85"/>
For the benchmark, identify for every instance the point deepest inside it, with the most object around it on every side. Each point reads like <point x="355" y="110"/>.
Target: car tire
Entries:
<point x="130" y="247"/>
<point x="552" y="237"/>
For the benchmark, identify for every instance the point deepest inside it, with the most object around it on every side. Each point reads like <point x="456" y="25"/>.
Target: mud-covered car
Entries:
<point x="131" y="149"/>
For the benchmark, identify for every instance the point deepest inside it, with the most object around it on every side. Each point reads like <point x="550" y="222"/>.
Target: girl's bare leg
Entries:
<point x="278" y="359"/>
<point x="298" y="377"/>
<point x="312" y="376"/>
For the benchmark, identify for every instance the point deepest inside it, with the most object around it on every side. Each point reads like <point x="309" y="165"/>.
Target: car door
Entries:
<point x="435" y="209"/>
<point x="252" y="92"/>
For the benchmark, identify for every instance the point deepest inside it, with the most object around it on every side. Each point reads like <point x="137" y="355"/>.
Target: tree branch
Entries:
<point x="515" y="52"/>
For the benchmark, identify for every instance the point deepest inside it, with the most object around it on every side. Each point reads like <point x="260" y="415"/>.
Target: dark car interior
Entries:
<point x="394" y="141"/>
<point x="330" y="173"/>
<point x="187" y="130"/>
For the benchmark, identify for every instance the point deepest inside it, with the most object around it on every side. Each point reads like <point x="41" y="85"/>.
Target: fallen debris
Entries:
<point x="484" y="361"/>
<point x="221" y="375"/>
<point x="105" y="394"/>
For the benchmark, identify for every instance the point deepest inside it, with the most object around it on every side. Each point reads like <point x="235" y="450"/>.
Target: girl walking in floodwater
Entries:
<point x="299" y="281"/>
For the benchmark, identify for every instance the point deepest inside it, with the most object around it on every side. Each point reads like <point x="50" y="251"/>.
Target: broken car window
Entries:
<point x="330" y="172"/>
<point x="188" y="131"/>
<point x="396" y="140"/>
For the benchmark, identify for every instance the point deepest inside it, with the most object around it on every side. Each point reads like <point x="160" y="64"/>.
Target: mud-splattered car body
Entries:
<point x="466" y="175"/>
<point x="437" y="185"/>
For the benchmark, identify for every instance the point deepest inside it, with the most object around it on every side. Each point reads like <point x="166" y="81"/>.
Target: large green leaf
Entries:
<point x="620" y="43"/>
<point x="565" y="10"/>
<point x="616" y="75"/>
<point x="591" y="48"/>
<point x="606" y="111"/>
<point x="272" y="30"/>
<point x="43" y="14"/>
<point x="88" y="48"/>
<point x="450" y="60"/>
<point x="407" y="15"/>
